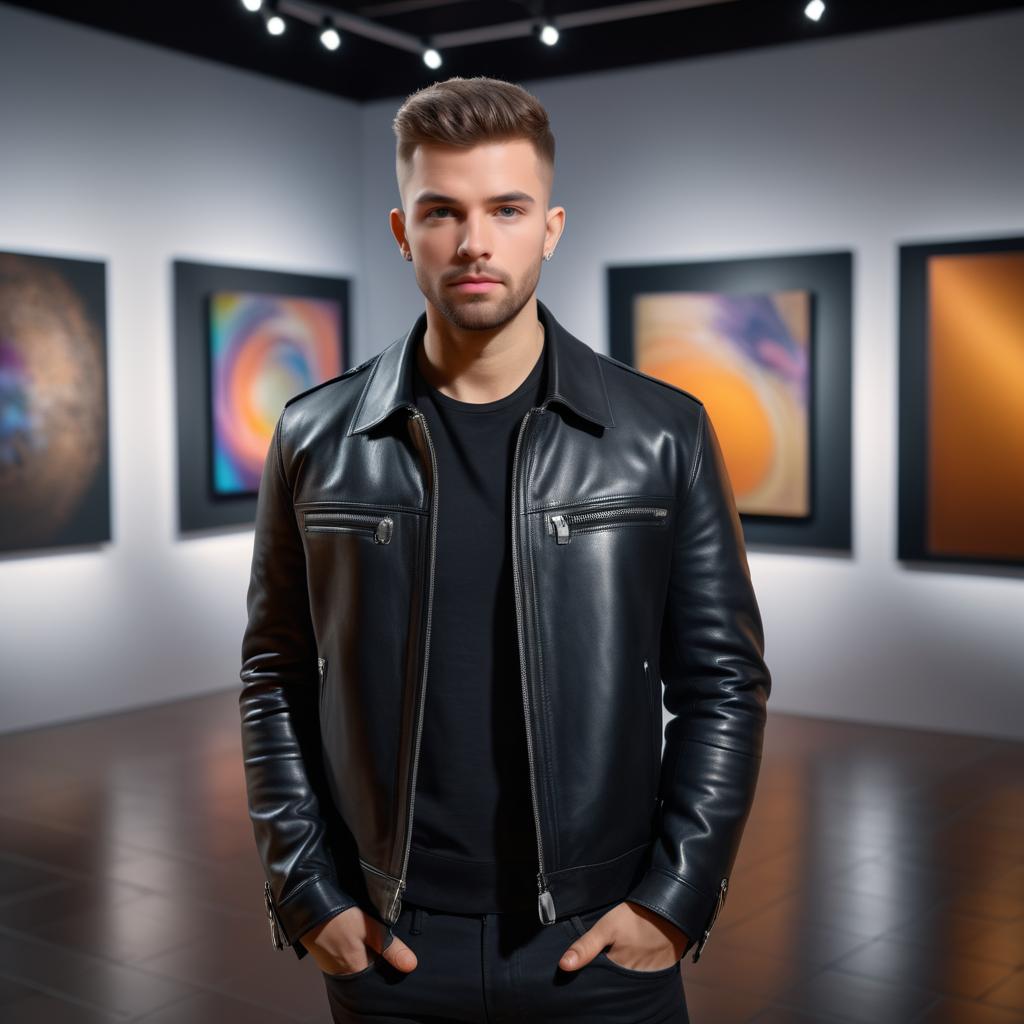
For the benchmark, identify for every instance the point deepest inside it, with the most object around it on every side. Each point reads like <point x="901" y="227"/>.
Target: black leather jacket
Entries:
<point x="629" y="571"/>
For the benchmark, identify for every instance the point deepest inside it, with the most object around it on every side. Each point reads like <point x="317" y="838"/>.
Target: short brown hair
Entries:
<point x="467" y="112"/>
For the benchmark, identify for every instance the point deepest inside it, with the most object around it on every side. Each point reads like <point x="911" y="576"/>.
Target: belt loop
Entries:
<point x="417" y="921"/>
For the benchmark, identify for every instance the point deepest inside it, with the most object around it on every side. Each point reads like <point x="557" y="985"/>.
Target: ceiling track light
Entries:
<point x="329" y="35"/>
<point x="274" y="22"/>
<point x="814" y="10"/>
<point x="548" y="34"/>
<point x="314" y="14"/>
<point x="252" y="5"/>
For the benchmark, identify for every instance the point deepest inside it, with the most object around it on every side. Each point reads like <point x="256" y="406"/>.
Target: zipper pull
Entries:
<point x="545" y="903"/>
<point x="561" y="526"/>
<point x="396" y="903"/>
<point x="320" y="662"/>
<point x="382" y="535"/>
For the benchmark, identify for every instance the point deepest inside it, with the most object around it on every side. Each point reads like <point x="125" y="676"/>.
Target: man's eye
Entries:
<point x="512" y="208"/>
<point x="438" y="209"/>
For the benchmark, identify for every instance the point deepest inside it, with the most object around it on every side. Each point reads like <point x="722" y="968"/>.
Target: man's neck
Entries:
<point x="481" y="366"/>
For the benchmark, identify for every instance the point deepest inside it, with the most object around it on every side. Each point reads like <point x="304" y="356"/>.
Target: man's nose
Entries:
<point x="475" y="240"/>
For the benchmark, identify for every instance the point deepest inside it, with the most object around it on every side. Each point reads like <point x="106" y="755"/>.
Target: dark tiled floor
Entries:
<point x="880" y="881"/>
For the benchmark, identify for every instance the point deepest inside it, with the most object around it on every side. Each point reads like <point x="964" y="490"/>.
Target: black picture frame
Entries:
<point x="914" y="330"/>
<point x="198" y="507"/>
<point x="828" y="276"/>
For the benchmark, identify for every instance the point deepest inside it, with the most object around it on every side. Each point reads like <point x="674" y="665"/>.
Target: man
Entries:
<point x="477" y="555"/>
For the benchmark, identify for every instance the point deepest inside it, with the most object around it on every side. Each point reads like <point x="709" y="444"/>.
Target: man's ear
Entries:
<point x="554" y="227"/>
<point x="396" y="220"/>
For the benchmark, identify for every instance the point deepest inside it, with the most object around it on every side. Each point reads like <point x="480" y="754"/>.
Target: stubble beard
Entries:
<point x="481" y="312"/>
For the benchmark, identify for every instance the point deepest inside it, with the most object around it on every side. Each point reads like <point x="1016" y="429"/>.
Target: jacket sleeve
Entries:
<point x="280" y="729"/>
<point x="716" y="691"/>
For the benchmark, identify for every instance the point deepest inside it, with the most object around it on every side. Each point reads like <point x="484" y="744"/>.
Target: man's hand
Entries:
<point x="643" y="939"/>
<point x="342" y="944"/>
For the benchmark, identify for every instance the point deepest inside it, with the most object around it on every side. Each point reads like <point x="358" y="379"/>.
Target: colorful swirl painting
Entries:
<point x="264" y="349"/>
<point x="747" y="357"/>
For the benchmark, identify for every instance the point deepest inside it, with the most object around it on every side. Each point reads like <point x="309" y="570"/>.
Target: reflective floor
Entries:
<point x="881" y="879"/>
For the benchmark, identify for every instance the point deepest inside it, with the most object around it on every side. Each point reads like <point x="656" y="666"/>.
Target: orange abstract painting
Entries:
<point x="747" y="358"/>
<point x="975" y="400"/>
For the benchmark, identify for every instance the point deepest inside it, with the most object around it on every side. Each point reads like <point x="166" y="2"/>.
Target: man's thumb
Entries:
<point x="399" y="955"/>
<point x="580" y="953"/>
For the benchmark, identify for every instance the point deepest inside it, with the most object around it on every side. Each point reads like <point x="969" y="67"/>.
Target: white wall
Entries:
<point x="122" y="151"/>
<point x="116" y="150"/>
<point x="860" y="142"/>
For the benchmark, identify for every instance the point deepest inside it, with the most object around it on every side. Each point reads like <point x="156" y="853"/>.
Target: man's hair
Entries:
<point x="470" y="111"/>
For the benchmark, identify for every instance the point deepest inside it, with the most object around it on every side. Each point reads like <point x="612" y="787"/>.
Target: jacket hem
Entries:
<point x="584" y="886"/>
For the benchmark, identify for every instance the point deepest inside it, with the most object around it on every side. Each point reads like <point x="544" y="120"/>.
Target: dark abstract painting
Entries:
<point x="54" y="457"/>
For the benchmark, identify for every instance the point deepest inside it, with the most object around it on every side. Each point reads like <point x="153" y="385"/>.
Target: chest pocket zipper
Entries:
<point x="562" y="525"/>
<point x="376" y="526"/>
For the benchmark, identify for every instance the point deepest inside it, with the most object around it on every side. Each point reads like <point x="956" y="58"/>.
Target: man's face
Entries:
<point x="479" y="211"/>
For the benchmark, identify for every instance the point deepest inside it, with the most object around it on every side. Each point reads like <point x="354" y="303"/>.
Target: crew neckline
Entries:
<point x="473" y="408"/>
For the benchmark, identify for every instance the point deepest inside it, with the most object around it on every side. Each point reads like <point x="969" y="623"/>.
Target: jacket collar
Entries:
<point x="573" y="376"/>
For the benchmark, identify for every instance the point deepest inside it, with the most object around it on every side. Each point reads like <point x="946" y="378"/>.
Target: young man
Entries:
<point x="477" y="556"/>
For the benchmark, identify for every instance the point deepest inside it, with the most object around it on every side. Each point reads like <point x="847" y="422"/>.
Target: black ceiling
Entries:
<point x="222" y="30"/>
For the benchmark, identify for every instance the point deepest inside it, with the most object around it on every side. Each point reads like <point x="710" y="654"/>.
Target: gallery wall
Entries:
<point x="858" y="143"/>
<point x="121" y="151"/>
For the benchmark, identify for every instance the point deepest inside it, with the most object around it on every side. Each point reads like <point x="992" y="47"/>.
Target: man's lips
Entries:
<point x="481" y="284"/>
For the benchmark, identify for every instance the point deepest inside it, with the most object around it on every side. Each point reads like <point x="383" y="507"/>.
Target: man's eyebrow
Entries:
<point x="505" y="197"/>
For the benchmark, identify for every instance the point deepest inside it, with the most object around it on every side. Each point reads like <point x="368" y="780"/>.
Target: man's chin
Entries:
<point x="480" y="313"/>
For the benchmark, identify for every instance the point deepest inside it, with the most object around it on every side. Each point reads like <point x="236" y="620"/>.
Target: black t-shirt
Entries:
<point x="474" y="848"/>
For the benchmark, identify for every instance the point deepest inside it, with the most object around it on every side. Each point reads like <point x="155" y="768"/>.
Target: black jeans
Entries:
<point x="501" y="969"/>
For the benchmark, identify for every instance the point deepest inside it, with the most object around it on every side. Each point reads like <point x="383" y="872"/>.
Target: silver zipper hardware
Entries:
<point x="545" y="901"/>
<point x="275" y="931"/>
<point x="396" y="906"/>
<point x="321" y="663"/>
<point x="563" y="525"/>
<point x="381" y="527"/>
<point x="395" y="910"/>
<point x="722" y="889"/>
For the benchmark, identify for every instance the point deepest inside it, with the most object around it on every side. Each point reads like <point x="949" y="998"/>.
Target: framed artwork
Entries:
<point x="765" y="344"/>
<point x="247" y="341"/>
<point x="961" y="388"/>
<point x="54" y="417"/>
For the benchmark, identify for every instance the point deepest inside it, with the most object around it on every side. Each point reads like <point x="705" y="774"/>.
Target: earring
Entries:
<point x="548" y="255"/>
<point x="407" y="254"/>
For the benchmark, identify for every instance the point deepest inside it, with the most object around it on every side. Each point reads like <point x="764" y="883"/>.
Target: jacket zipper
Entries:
<point x="654" y="709"/>
<point x="380" y="527"/>
<point x="396" y="905"/>
<point x="545" y="901"/>
<point x="723" y="887"/>
<point x="563" y="525"/>
<point x="275" y="929"/>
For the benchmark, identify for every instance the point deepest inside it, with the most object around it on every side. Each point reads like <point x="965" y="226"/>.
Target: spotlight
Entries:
<point x="549" y="34"/>
<point x="329" y="35"/>
<point x="431" y="58"/>
<point x="252" y="5"/>
<point x="275" y="24"/>
<point x="814" y="10"/>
